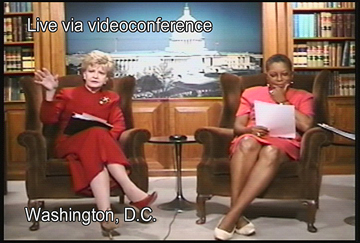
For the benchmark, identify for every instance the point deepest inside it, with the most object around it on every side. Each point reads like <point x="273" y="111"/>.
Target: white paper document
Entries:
<point x="279" y="119"/>
<point x="86" y="116"/>
<point x="337" y="131"/>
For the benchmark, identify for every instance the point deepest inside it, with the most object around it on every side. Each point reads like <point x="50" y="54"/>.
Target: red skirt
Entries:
<point x="283" y="144"/>
<point x="88" y="152"/>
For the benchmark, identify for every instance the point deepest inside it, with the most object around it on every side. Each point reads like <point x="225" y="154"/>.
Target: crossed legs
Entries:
<point x="253" y="166"/>
<point x="100" y="186"/>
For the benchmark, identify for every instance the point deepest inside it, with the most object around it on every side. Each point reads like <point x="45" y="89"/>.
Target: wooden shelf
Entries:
<point x="300" y="10"/>
<point x="19" y="43"/>
<point x="19" y="73"/>
<point x="341" y="96"/>
<point x="14" y="101"/>
<point x="321" y="68"/>
<point x="322" y="38"/>
<point x="18" y="14"/>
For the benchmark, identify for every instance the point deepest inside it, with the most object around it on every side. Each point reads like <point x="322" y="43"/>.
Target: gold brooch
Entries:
<point x="104" y="100"/>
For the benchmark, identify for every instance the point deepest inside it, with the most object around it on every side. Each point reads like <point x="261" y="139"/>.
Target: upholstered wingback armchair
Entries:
<point x="48" y="177"/>
<point x="294" y="180"/>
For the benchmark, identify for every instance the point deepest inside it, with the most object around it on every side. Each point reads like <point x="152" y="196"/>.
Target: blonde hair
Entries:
<point x="100" y="58"/>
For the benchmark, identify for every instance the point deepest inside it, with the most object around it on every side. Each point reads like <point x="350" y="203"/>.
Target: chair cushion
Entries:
<point x="57" y="167"/>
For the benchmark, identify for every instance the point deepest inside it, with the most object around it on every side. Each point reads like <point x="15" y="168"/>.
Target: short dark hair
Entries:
<point x="278" y="58"/>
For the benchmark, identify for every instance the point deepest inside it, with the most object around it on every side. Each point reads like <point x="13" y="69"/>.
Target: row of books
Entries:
<point x="340" y="83"/>
<point x="16" y="7"/>
<point x="15" y="29"/>
<point x="324" y="54"/>
<point x="320" y="5"/>
<point x="12" y="89"/>
<point x="343" y="84"/>
<point x="19" y="58"/>
<point x="324" y="24"/>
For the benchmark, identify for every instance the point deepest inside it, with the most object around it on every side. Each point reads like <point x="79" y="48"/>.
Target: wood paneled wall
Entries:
<point x="275" y="29"/>
<point x="166" y="117"/>
<point x="50" y="48"/>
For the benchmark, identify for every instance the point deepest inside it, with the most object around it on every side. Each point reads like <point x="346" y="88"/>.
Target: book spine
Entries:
<point x="295" y="55"/>
<point x="352" y="88"/>
<point x="352" y="54"/>
<point x="9" y="35"/>
<point x="328" y="24"/>
<point x="339" y="49"/>
<point x="326" y="53"/>
<point x="345" y="59"/>
<point x="6" y="7"/>
<point x="340" y="25"/>
<point x="296" y="25"/>
<point x="336" y="83"/>
<point x="334" y="25"/>
<point x="303" y="55"/>
<point x="347" y="24"/>
<point x="352" y="25"/>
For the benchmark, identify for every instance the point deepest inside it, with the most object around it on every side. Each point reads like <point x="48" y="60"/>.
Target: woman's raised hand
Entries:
<point x="278" y="94"/>
<point x="46" y="79"/>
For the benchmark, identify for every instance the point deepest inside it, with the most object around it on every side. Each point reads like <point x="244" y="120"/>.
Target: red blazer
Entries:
<point x="103" y="104"/>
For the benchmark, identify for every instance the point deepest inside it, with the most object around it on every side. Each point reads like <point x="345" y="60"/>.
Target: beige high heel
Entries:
<point x="108" y="228"/>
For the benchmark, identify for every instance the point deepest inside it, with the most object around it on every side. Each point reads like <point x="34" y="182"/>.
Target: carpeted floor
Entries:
<point x="274" y="220"/>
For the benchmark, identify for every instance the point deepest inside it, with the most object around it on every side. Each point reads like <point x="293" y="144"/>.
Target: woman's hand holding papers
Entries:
<point x="259" y="131"/>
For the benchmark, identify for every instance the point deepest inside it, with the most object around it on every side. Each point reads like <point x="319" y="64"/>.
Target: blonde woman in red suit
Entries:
<point x="94" y="154"/>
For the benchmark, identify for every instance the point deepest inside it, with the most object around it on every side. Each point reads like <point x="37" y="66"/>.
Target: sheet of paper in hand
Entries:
<point x="80" y="122"/>
<point x="279" y="119"/>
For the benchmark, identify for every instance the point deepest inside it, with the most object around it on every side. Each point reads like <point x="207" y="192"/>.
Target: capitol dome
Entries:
<point x="188" y="42"/>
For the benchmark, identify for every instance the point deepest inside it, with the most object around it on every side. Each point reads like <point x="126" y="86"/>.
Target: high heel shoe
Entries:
<point x="220" y="234"/>
<point x="247" y="229"/>
<point x="146" y="202"/>
<point x="108" y="229"/>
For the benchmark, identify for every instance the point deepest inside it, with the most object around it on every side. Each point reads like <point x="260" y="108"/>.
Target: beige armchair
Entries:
<point x="300" y="180"/>
<point x="48" y="177"/>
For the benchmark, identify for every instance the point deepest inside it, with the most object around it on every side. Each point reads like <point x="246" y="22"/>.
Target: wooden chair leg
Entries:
<point x="311" y="213"/>
<point x="36" y="205"/>
<point x="200" y="208"/>
<point x="122" y="199"/>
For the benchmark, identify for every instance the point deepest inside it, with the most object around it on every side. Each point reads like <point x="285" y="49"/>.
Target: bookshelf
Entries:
<point x="323" y="37"/>
<point x="19" y="58"/>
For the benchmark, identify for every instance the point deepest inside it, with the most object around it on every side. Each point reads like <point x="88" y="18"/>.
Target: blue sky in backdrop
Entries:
<point x="236" y="25"/>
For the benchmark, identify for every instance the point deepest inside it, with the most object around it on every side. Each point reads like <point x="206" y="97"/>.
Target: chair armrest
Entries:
<point x="311" y="144"/>
<point x="35" y="145"/>
<point x="36" y="157"/>
<point x="132" y="142"/>
<point x="213" y="140"/>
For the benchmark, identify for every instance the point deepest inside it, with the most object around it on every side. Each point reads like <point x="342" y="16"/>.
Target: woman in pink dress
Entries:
<point x="255" y="156"/>
<point x="95" y="157"/>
